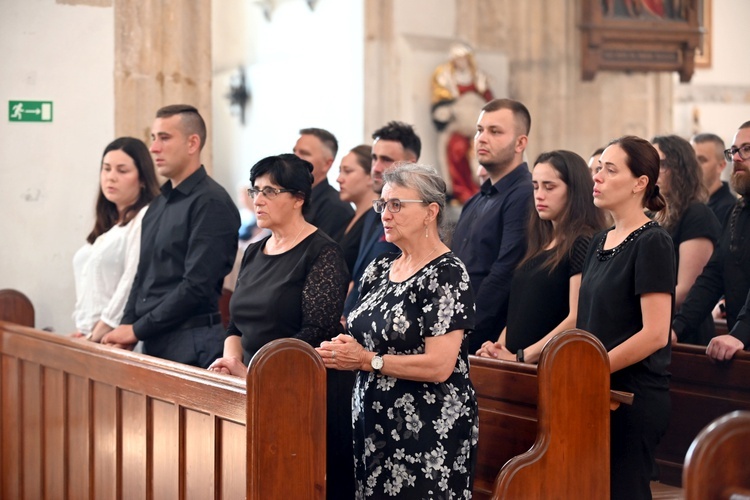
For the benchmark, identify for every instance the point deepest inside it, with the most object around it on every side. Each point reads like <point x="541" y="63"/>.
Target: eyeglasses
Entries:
<point x="743" y="151"/>
<point x="268" y="192"/>
<point x="393" y="205"/>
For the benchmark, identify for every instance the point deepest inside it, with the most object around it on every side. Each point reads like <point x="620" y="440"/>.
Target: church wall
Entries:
<point x="49" y="171"/>
<point x="304" y="68"/>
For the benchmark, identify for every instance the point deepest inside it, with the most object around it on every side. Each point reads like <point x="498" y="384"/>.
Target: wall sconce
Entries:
<point x="238" y="94"/>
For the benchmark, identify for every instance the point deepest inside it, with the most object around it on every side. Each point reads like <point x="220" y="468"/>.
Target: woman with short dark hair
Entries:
<point x="292" y="283"/>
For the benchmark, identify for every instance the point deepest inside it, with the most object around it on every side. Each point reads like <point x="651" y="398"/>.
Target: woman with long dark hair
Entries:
<point x="560" y="230"/>
<point x="627" y="300"/>
<point x="692" y="225"/>
<point x="105" y="267"/>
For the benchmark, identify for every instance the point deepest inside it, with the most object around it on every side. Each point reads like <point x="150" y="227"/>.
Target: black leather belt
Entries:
<point x="201" y="320"/>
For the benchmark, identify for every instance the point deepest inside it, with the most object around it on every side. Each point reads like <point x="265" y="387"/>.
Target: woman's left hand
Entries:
<point x="343" y="352"/>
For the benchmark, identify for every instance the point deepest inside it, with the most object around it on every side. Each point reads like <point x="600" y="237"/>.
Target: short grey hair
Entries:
<point x="423" y="179"/>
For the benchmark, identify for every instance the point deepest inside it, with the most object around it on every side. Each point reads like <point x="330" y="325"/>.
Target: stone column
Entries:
<point x="162" y="56"/>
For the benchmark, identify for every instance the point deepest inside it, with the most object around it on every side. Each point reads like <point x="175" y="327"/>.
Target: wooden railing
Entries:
<point x="84" y="421"/>
<point x="701" y="391"/>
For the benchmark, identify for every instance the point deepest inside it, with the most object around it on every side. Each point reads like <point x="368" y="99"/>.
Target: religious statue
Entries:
<point x="459" y="90"/>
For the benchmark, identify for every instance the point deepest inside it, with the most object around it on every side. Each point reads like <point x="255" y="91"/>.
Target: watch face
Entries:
<point x="377" y="362"/>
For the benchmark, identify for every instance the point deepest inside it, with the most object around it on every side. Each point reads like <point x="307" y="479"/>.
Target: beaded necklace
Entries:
<point x="603" y="255"/>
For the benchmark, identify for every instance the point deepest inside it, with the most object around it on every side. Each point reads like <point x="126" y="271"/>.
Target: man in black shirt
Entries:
<point x="188" y="245"/>
<point x="728" y="271"/>
<point x="327" y="211"/>
<point x="490" y="236"/>
<point x="709" y="148"/>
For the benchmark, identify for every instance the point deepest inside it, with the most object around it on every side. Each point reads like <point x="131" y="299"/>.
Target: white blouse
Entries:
<point x="104" y="274"/>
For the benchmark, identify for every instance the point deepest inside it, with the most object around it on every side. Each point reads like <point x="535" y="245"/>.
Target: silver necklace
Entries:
<point x="410" y="270"/>
<point x="278" y="246"/>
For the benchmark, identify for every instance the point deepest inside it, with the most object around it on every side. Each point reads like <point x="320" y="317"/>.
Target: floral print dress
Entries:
<point x="414" y="439"/>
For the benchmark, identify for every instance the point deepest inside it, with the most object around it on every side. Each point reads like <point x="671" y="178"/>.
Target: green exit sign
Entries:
<point x="30" y="111"/>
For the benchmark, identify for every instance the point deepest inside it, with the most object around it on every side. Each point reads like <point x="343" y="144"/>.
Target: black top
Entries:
<point x="299" y="294"/>
<point x="540" y="297"/>
<point x="327" y="211"/>
<point x="698" y="221"/>
<point x="727" y="273"/>
<point x="609" y="303"/>
<point x="490" y="239"/>
<point x="350" y="243"/>
<point x="188" y="245"/>
<point x="721" y="202"/>
<point x="371" y="245"/>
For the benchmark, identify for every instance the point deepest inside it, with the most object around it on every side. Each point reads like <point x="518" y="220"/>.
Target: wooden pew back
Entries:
<point x="701" y="391"/>
<point x="16" y="308"/>
<point x="555" y="418"/>
<point x="83" y="421"/>
<point x="717" y="465"/>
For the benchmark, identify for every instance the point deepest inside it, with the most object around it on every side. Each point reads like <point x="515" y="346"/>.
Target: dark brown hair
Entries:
<point x="521" y="114"/>
<point x="190" y="120"/>
<point x="580" y="217"/>
<point x="642" y="159"/>
<point x="106" y="211"/>
<point x="363" y="153"/>
<point x="686" y="182"/>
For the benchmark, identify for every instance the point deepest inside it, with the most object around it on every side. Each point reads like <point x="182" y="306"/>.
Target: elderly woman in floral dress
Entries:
<point x="414" y="408"/>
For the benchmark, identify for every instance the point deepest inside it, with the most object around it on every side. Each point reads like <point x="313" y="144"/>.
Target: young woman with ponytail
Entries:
<point x="627" y="301"/>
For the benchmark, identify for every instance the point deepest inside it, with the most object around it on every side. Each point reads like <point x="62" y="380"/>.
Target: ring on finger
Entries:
<point x="333" y="354"/>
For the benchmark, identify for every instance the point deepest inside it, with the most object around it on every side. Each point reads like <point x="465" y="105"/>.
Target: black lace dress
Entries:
<point x="300" y="293"/>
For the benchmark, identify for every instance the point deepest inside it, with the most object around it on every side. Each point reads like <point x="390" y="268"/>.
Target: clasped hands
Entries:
<point x="342" y="352"/>
<point x="495" y="350"/>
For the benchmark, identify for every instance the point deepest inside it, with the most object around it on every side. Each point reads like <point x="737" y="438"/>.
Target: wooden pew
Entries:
<point x="84" y="421"/>
<point x="717" y="465"/>
<point x="16" y="308"/>
<point x="701" y="392"/>
<point x="541" y="428"/>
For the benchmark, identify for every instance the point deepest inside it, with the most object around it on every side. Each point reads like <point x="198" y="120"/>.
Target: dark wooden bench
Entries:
<point x="701" y="392"/>
<point x="83" y="421"/>
<point x="16" y="307"/>
<point x="540" y="427"/>
<point x="717" y="465"/>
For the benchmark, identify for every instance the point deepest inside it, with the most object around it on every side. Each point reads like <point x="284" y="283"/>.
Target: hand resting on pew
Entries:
<point x="122" y="337"/>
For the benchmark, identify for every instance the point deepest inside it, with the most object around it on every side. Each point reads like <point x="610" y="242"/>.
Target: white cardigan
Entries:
<point x="104" y="274"/>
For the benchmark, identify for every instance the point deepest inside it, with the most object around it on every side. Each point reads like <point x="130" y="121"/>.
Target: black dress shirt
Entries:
<point x="727" y="273"/>
<point x="188" y="245"/>
<point x="721" y="203"/>
<point x="327" y="211"/>
<point x="490" y="239"/>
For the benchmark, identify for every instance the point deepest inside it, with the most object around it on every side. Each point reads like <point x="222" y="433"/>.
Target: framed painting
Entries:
<point x="703" y="52"/>
<point x="640" y="35"/>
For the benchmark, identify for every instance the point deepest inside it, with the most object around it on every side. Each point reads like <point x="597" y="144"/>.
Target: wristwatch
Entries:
<point x="377" y="363"/>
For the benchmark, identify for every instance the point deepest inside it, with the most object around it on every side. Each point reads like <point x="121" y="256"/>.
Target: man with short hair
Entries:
<point x="490" y="236"/>
<point x="728" y="271"/>
<point x="709" y="148"/>
<point x="188" y="245"/>
<point x="395" y="143"/>
<point x="327" y="211"/>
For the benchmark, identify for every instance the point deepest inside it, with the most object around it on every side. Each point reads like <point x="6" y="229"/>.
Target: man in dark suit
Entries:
<point x="394" y="143"/>
<point x="327" y="212"/>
